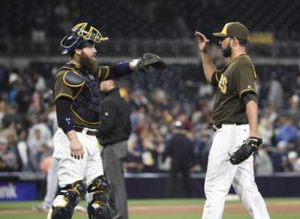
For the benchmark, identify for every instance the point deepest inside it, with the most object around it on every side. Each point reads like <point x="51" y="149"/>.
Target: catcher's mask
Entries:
<point x="81" y="36"/>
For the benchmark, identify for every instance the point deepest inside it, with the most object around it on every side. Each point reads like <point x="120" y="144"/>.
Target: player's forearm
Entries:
<point x="72" y="135"/>
<point x="252" y="112"/>
<point x="208" y="66"/>
<point x="64" y="118"/>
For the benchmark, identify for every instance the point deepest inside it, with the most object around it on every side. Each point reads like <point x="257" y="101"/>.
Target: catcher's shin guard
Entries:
<point x="66" y="200"/>
<point x="98" y="208"/>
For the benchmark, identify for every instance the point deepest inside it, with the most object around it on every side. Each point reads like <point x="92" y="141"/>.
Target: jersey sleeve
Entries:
<point x="115" y="71"/>
<point x="245" y="78"/>
<point x="66" y="88"/>
<point x="216" y="78"/>
<point x="104" y="73"/>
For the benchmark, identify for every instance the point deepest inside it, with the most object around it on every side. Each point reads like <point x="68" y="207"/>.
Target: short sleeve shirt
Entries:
<point x="236" y="79"/>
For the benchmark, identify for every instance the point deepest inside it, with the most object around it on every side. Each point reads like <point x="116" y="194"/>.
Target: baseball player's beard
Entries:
<point x="89" y="62"/>
<point x="227" y="51"/>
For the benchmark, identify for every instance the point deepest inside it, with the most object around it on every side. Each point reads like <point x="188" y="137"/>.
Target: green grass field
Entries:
<point x="279" y="208"/>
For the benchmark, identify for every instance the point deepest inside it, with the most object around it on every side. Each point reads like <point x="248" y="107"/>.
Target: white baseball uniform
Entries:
<point x="71" y="169"/>
<point x="221" y="174"/>
<point x="230" y="120"/>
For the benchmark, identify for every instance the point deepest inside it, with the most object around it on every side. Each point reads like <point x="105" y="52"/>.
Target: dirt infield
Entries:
<point x="232" y="208"/>
<point x="238" y="208"/>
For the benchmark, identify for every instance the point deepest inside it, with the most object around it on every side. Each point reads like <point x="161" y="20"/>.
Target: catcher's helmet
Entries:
<point x="81" y="36"/>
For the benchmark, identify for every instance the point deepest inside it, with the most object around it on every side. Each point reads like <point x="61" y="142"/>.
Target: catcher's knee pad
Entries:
<point x="98" y="208"/>
<point x="66" y="200"/>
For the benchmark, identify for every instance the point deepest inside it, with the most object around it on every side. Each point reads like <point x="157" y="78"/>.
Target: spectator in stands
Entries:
<point x="36" y="107"/>
<point x="3" y="110"/>
<point x="262" y="163"/>
<point x="150" y="140"/>
<point x="294" y="110"/>
<point x="38" y="80"/>
<point x="23" y="150"/>
<point x="293" y="162"/>
<point x="287" y="131"/>
<point x="134" y="163"/>
<point x="14" y="82"/>
<point x="38" y="138"/>
<point x="181" y="150"/>
<point x="202" y="140"/>
<point x="266" y="130"/>
<point x="275" y="96"/>
<point x="8" y="156"/>
<point x="278" y="156"/>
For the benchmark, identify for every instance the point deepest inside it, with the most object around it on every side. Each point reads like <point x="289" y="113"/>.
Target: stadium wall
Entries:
<point x="16" y="187"/>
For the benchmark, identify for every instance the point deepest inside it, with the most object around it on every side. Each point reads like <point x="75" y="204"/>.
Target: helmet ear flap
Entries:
<point x="70" y="42"/>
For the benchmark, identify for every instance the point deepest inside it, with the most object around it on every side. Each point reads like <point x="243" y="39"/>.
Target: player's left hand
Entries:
<point x="248" y="147"/>
<point x="147" y="60"/>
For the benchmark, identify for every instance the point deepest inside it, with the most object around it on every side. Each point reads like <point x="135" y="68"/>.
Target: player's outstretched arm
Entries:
<point x="146" y="61"/>
<point x="208" y="66"/>
<point x="125" y="68"/>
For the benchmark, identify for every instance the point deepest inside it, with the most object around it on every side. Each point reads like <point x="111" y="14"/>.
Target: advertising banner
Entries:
<point x="18" y="191"/>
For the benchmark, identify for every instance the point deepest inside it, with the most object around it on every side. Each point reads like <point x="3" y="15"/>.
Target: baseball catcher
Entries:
<point x="77" y="99"/>
<point x="248" y="147"/>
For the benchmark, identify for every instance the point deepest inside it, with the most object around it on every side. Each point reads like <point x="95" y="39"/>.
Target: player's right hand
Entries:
<point x="202" y="41"/>
<point x="76" y="149"/>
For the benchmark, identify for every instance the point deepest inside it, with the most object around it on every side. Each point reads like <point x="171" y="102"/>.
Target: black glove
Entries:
<point x="149" y="59"/>
<point x="248" y="147"/>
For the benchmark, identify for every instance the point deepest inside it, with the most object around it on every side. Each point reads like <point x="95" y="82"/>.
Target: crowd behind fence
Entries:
<point x="28" y="117"/>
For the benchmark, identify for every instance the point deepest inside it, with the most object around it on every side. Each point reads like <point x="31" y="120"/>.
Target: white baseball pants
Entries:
<point x="70" y="169"/>
<point x="221" y="174"/>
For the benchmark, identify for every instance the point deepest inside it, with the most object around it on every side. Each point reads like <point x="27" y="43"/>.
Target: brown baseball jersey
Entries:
<point x="83" y="88"/>
<point x="237" y="78"/>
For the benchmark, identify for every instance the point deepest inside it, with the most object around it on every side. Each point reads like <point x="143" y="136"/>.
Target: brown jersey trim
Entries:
<point x="246" y="91"/>
<point x="71" y="69"/>
<point x="99" y="72"/>
<point x="254" y="73"/>
<point x="78" y="93"/>
<point x="72" y="85"/>
<point x="107" y="72"/>
<point x="81" y="119"/>
<point x="216" y="76"/>
<point x="64" y="95"/>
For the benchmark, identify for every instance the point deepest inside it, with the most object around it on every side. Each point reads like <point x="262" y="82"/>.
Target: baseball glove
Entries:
<point x="149" y="59"/>
<point x="248" y="147"/>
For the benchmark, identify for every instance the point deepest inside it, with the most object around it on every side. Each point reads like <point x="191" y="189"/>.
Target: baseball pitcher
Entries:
<point x="234" y="119"/>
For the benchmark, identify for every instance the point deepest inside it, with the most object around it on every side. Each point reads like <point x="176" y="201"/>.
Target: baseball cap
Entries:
<point x="234" y="29"/>
<point x="178" y="124"/>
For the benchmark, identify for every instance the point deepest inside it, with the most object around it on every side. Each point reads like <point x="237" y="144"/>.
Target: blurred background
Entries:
<point x="30" y="34"/>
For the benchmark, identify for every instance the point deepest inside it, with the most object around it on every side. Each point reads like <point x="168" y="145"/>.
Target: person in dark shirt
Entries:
<point x="181" y="151"/>
<point x="114" y="131"/>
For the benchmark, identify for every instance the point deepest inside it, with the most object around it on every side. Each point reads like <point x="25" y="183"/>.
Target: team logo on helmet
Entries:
<point x="81" y="35"/>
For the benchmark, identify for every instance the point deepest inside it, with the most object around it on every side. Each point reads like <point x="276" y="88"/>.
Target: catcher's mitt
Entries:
<point x="149" y="59"/>
<point x="248" y="147"/>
